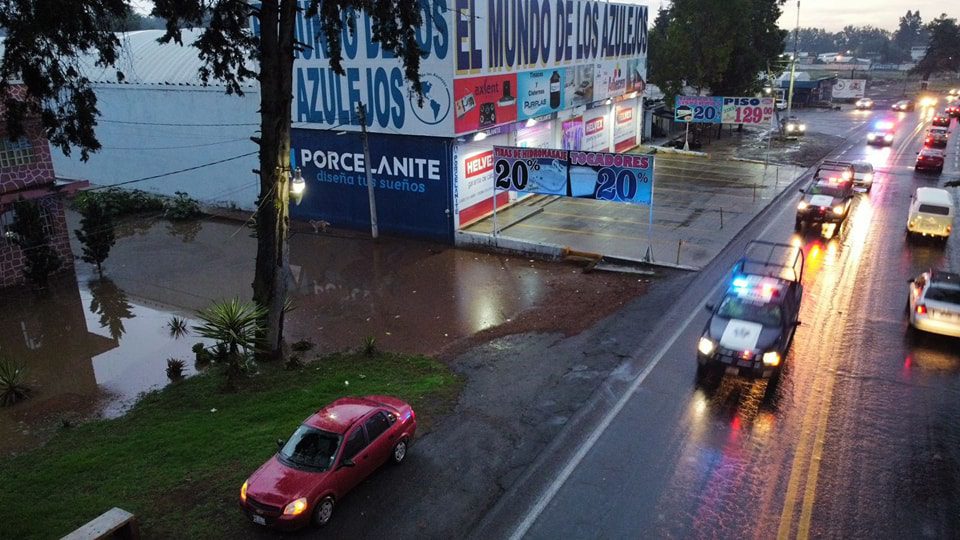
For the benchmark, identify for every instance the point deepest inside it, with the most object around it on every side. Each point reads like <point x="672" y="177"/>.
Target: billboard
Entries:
<point x="625" y="126"/>
<point x="726" y="110"/>
<point x="411" y="178"/>
<point x="323" y="99"/>
<point x="593" y="175"/>
<point x="596" y="130"/>
<point x="564" y="53"/>
<point x="849" y="88"/>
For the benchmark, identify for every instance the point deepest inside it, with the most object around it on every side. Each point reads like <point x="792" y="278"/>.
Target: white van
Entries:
<point x="931" y="213"/>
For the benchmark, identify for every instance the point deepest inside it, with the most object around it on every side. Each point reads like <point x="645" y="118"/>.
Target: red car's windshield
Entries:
<point x="310" y="448"/>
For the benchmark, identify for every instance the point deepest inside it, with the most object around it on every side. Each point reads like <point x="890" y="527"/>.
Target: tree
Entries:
<point x="909" y="33"/>
<point x="813" y="40"/>
<point x="720" y="46"/>
<point x="110" y="302"/>
<point x="943" y="50"/>
<point x="42" y="50"/>
<point x="30" y="234"/>
<point x="96" y="234"/>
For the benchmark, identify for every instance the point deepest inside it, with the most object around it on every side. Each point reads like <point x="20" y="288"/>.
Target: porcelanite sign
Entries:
<point x="546" y="55"/>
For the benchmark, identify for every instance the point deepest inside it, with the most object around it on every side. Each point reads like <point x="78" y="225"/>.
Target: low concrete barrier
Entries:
<point x="115" y="523"/>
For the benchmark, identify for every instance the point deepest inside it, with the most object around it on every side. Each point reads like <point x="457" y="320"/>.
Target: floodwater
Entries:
<point x="93" y="345"/>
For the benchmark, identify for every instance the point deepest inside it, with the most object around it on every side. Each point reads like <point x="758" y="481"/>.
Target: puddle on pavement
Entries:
<point x="89" y="350"/>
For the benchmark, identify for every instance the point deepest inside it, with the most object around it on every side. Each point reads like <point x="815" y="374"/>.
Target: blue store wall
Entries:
<point x="412" y="181"/>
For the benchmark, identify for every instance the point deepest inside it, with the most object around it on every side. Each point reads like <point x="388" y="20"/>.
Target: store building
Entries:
<point x="557" y="74"/>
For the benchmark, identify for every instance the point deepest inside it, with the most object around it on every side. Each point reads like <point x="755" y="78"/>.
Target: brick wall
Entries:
<point x="11" y="256"/>
<point x="34" y="174"/>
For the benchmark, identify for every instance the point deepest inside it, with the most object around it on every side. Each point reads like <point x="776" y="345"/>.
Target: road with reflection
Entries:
<point x="861" y="437"/>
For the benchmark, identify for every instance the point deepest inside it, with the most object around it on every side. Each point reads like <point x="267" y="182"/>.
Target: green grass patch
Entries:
<point x="177" y="465"/>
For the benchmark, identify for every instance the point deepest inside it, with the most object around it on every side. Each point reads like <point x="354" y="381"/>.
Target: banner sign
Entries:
<point x="612" y="177"/>
<point x="594" y="175"/>
<point x="849" y="88"/>
<point x="625" y="126"/>
<point x="725" y="110"/>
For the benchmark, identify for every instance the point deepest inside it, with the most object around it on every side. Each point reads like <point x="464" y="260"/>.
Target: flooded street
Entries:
<point x="92" y="345"/>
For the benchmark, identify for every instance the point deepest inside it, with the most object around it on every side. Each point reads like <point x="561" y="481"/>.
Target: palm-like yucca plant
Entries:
<point x="234" y="325"/>
<point x="12" y="387"/>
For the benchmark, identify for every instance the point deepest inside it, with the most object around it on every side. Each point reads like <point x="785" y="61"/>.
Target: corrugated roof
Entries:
<point x="143" y="60"/>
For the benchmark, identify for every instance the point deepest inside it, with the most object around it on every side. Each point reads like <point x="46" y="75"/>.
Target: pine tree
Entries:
<point x="32" y="238"/>
<point x="96" y="233"/>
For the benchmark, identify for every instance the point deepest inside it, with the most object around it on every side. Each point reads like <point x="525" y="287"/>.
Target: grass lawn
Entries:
<point x="177" y="459"/>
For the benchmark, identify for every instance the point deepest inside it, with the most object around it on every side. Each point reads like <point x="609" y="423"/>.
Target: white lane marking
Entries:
<point x="544" y="499"/>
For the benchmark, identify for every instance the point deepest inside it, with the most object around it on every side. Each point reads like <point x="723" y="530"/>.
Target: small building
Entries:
<point x="27" y="174"/>
<point x="808" y="90"/>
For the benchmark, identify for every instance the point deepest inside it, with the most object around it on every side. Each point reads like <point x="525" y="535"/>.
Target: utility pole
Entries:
<point x="793" y="64"/>
<point x="361" y="112"/>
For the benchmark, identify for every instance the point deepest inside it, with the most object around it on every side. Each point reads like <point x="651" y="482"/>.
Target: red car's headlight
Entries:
<point x="243" y="492"/>
<point x="295" y="508"/>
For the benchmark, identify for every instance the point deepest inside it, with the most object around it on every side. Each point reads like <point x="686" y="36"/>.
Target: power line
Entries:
<point x="171" y="173"/>
<point x="126" y="122"/>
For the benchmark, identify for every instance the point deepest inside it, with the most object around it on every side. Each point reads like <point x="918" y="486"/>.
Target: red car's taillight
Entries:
<point x="921" y="309"/>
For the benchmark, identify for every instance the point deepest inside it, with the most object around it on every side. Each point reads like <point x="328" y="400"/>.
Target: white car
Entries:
<point x="934" y="303"/>
<point x="864" y="103"/>
<point x="931" y="214"/>
<point x="863" y="175"/>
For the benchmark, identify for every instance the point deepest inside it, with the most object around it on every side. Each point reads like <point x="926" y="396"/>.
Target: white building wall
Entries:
<point x="148" y="130"/>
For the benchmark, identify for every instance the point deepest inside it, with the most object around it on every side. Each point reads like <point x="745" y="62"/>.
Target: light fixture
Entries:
<point x="297" y="186"/>
<point x="531" y="122"/>
<point x="479" y="136"/>
<point x="609" y="101"/>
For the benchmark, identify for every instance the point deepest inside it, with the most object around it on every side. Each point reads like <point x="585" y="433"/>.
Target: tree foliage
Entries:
<point x="943" y="51"/>
<point x="30" y="234"/>
<point x="720" y="46"/>
<point x="96" y="234"/>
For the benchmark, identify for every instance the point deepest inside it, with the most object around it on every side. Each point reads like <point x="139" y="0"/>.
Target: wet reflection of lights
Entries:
<point x="878" y="157"/>
<point x="814" y="258"/>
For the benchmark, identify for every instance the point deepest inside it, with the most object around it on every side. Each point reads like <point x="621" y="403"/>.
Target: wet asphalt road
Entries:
<point x="861" y="438"/>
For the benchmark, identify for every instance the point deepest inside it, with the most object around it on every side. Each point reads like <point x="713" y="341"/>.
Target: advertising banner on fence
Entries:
<point x="849" y="88"/>
<point x="593" y="175"/>
<point x="728" y="110"/>
<point x="612" y="177"/>
<point x="530" y="170"/>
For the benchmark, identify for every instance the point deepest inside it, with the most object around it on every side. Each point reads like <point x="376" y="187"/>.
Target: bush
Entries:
<point x="294" y="362"/>
<point x="119" y="202"/>
<point x="369" y="347"/>
<point x="175" y="368"/>
<point x="302" y="346"/>
<point x="181" y="207"/>
<point x="12" y="388"/>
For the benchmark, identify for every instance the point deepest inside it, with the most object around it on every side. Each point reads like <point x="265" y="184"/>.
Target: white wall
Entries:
<point x="195" y="135"/>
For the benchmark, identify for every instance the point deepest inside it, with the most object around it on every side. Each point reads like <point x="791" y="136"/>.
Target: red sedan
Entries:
<point x="953" y="111"/>
<point x="941" y="120"/>
<point x="329" y="454"/>
<point x="929" y="159"/>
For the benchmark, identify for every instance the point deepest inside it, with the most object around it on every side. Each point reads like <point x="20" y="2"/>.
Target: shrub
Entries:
<point x="302" y="346"/>
<point x="203" y="356"/>
<point x="175" y="368"/>
<point x="12" y="388"/>
<point x="119" y="202"/>
<point x="182" y="206"/>
<point x="369" y="346"/>
<point x="294" y="362"/>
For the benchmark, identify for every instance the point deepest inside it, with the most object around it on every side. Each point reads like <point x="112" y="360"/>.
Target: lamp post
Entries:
<point x="793" y="64"/>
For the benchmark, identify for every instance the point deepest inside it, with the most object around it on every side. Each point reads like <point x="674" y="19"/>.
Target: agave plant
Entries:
<point x="12" y="387"/>
<point x="234" y="325"/>
<point x="177" y="326"/>
<point x="175" y="368"/>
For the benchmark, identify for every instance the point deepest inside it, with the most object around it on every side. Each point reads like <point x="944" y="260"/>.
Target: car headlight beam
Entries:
<point x="706" y="346"/>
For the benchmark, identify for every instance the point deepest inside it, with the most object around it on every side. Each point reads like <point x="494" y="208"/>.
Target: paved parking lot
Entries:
<point x="700" y="203"/>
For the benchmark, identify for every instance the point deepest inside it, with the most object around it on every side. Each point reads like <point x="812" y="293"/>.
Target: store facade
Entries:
<point x="553" y="74"/>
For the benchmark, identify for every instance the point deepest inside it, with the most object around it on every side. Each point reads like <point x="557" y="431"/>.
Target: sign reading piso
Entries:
<point x="726" y="110"/>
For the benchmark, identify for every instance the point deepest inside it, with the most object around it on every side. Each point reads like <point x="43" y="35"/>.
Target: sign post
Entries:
<point x="684" y="113"/>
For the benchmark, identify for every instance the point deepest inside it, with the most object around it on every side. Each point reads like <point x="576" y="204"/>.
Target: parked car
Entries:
<point x="936" y="137"/>
<point x="864" y="104"/>
<point x="863" y="175"/>
<point x="933" y="303"/>
<point x="941" y="120"/>
<point x="931" y="214"/>
<point x="929" y="159"/>
<point x="903" y="105"/>
<point x="329" y="454"/>
<point x="793" y="127"/>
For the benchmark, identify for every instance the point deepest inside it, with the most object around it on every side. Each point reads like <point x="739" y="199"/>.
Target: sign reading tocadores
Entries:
<point x="728" y="110"/>
<point x="624" y="178"/>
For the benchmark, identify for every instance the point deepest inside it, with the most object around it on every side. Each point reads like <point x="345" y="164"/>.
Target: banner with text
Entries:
<point x="596" y="175"/>
<point x="849" y="88"/>
<point x="728" y="110"/>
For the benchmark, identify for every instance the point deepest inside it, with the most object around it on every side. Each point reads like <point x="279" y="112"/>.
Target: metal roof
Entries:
<point x="143" y="60"/>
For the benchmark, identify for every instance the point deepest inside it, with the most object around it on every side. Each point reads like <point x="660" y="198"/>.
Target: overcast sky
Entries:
<point x="835" y="14"/>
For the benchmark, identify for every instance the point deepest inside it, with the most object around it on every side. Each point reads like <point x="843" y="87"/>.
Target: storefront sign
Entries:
<point x="483" y="102"/>
<point x="625" y="127"/>
<point x="596" y="175"/>
<point x="541" y="92"/>
<point x="728" y="110"/>
<point x="596" y="130"/>
<point x="409" y="174"/>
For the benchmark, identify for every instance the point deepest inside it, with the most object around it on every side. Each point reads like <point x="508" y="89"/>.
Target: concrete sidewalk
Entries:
<point x="700" y="203"/>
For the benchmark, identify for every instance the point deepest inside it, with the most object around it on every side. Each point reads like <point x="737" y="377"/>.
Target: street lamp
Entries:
<point x="297" y="186"/>
<point x="793" y="64"/>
